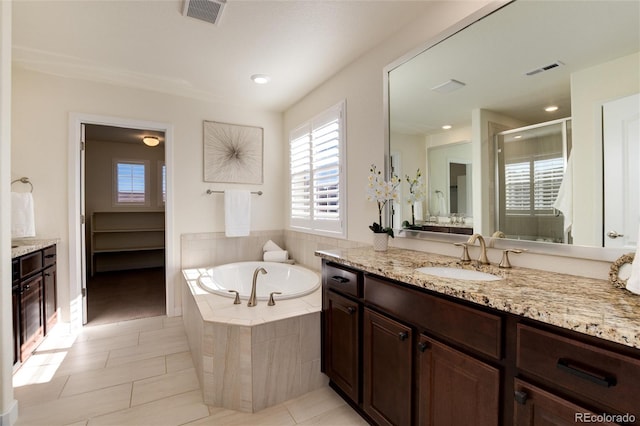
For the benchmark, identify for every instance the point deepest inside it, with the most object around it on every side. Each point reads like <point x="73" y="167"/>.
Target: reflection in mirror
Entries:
<point x="498" y="74"/>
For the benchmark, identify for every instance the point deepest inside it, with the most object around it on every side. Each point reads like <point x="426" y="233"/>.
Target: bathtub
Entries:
<point x="291" y="280"/>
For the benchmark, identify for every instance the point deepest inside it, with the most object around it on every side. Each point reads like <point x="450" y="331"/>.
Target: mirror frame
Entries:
<point x="553" y="249"/>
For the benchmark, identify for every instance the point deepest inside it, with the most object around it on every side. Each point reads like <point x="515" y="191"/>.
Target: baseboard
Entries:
<point x="10" y="417"/>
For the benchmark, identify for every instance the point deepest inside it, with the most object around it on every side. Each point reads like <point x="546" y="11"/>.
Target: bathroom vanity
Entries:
<point x="403" y="347"/>
<point x="34" y="287"/>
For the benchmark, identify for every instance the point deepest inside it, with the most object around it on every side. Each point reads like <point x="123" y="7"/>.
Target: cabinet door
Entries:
<point x="15" y="299"/>
<point x="50" y="301"/>
<point x="342" y="340"/>
<point x="454" y="388"/>
<point x="535" y="407"/>
<point x="387" y="369"/>
<point x="31" y="316"/>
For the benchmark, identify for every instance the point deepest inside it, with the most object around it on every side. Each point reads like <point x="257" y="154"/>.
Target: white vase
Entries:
<point x="380" y="241"/>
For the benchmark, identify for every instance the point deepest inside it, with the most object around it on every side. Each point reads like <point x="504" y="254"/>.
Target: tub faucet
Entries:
<point x="252" y="299"/>
<point x="483" y="248"/>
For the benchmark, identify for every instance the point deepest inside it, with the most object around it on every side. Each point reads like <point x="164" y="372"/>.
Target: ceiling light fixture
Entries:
<point x="448" y="86"/>
<point x="260" y="78"/>
<point x="447" y="126"/>
<point x="151" y="141"/>
<point x="551" y="108"/>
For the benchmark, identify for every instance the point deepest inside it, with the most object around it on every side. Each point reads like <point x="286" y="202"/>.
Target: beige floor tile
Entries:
<point x="79" y="363"/>
<point x="313" y="404"/>
<point x="147" y="351"/>
<point x="341" y="416"/>
<point x="125" y="327"/>
<point x="175" y="410"/>
<point x="109" y="343"/>
<point x="272" y="416"/>
<point x="168" y="333"/>
<point x="164" y="386"/>
<point x="179" y="361"/>
<point x="39" y="393"/>
<point x="76" y="408"/>
<point x="111" y="376"/>
<point x="31" y="375"/>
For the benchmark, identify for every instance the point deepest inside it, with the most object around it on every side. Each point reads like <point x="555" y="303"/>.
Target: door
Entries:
<point x="343" y="340"/>
<point x="621" y="145"/>
<point x="83" y="227"/>
<point x="387" y="372"/>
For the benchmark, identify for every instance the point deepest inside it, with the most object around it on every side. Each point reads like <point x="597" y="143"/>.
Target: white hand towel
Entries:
<point x="271" y="246"/>
<point x="22" y="215"/>
<point x="633" y="283"/>
<point x="564" y="201"/>
<point x="276" y="256"/>
<point x="237" y="212"/>
<point x="417" y="210"/>
<point x="442" y="204"/>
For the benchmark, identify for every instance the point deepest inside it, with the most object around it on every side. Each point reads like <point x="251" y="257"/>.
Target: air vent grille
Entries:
<point x="205" y="10"/>
<point x="551" y="66"/>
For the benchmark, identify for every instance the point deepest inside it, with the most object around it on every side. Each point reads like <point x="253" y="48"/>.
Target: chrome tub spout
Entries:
<point x="252" y="299"/>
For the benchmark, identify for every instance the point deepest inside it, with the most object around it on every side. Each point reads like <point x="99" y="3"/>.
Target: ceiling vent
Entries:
<point x="205" y="10"/>
<point x="551" y="66"/>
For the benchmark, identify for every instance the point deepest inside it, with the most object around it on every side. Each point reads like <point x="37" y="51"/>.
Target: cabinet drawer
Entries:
<point x="466" y="326"/>
<point x="342" y="280"/>
<point x="30" y="263"/>
<point x="49" y="256"/>
<point x="603" y="376"/>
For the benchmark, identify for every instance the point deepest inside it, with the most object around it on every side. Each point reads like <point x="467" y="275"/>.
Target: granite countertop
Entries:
<point x="590" y="306"/>
<point x="20" y="247"/>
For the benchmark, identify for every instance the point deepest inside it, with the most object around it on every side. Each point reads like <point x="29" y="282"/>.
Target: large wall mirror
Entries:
<point x="472" y="113"/>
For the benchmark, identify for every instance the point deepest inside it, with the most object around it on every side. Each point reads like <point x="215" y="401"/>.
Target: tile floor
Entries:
<point x="140" y="372"/>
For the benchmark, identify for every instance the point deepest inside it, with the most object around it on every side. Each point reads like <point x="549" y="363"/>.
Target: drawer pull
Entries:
<point x="49" y="256"/>
<point x="423" y="346"/>
<point x="520" y="397"/>
<point x="339" y="279"/>
<point x="598" y="379"/>
<point x="403" y="335"/>
<point x="351" y="310"/>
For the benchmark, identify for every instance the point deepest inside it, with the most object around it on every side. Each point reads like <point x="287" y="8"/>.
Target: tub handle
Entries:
<point x="236" y="301"/>
<point x="272" y="302"/>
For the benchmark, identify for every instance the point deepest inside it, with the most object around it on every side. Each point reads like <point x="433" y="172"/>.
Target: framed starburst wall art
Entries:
<point x="232" y="153"/>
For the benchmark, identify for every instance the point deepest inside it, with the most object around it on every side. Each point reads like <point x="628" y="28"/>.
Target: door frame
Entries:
<point x="76" y="236"/>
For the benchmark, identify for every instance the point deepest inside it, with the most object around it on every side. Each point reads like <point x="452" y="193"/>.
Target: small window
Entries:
<point x="131" y="186"/>
<point x="317" y="178"/>
<point x="162" y="183"/>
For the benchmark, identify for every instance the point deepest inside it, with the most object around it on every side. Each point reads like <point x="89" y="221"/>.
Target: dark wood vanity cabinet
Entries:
<point x="402" y="355"/>
<point x="34" y="300"/>
<point x="387" y="369"/>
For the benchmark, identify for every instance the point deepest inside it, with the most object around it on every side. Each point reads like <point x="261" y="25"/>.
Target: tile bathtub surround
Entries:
<point x="70" y="380"/>
<point x="248" y="359"/>
<point x="590" y="306"/>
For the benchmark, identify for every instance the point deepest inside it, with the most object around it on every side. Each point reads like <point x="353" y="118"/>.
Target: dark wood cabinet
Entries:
<point x="342" y="344"/>
<point x="455" y="388"/>
<point x="34" y="300"/>
<point x="536" y="407"/>
<point x="387" y="369"/>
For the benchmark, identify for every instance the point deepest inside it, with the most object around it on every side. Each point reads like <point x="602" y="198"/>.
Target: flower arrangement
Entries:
<point x="381" y="192"/>
<point x="416" y="192"/>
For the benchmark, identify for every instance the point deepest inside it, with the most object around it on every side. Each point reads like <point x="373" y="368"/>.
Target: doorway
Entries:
<point x="124" y="200"/>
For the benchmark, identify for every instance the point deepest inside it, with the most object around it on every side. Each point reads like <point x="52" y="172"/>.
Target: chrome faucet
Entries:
<point x="483" y="248"/>
<point x="252" y="299"/>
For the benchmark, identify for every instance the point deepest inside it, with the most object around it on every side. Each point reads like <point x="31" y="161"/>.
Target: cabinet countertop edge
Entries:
<point x="27" y="245"/>
<point x="585" y="305"/>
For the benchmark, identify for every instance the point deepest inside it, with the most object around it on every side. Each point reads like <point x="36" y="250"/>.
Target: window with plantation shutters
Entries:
<point x="130" y="182"/>
<point x="532" y="186"/>
<point x="317" y="189"/>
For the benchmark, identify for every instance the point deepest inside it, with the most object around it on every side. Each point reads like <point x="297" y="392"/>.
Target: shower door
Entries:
<point x="530" y="168"/>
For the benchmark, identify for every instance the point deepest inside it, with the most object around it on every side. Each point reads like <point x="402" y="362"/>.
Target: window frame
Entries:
<point x="147" y="197"/>
<point x="312" y="224"/>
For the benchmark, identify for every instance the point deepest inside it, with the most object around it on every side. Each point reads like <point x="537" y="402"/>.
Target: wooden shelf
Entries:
<point x="125" y="232"/>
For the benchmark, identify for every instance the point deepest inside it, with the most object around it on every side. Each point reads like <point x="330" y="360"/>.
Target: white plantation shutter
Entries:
<point x="517" y="186"/>
<point x="317" y="180"/>
<point x="532" y="186"/>
<point x="548" y="175"/>
<point x="130" y="182"/>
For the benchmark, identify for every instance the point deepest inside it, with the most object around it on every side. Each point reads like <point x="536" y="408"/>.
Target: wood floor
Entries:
<point x="125" y="295"/>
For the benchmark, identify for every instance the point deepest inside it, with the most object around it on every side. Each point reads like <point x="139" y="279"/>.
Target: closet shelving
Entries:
<point x="128" y="233"/>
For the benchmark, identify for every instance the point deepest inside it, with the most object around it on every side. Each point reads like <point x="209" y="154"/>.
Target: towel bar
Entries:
<point x="209" y="191"/>
<point x="23" y="180"/>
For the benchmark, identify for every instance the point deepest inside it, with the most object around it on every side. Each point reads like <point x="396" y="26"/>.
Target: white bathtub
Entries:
<point x="291" y="280"/>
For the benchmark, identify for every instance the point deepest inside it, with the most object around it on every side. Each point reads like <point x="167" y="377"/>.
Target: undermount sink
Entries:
<point x="458" y="273"/>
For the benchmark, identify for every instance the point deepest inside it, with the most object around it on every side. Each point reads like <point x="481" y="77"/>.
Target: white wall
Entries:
<point x="41" y="107"/>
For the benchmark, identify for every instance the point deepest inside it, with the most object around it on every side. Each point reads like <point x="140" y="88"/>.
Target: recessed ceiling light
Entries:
<point x="151" y="141"/>
<point x="551" y="108"/>
<point x="446" y="127"/>
<point x="517" y="136"/>
<point x="260" y="78"/>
